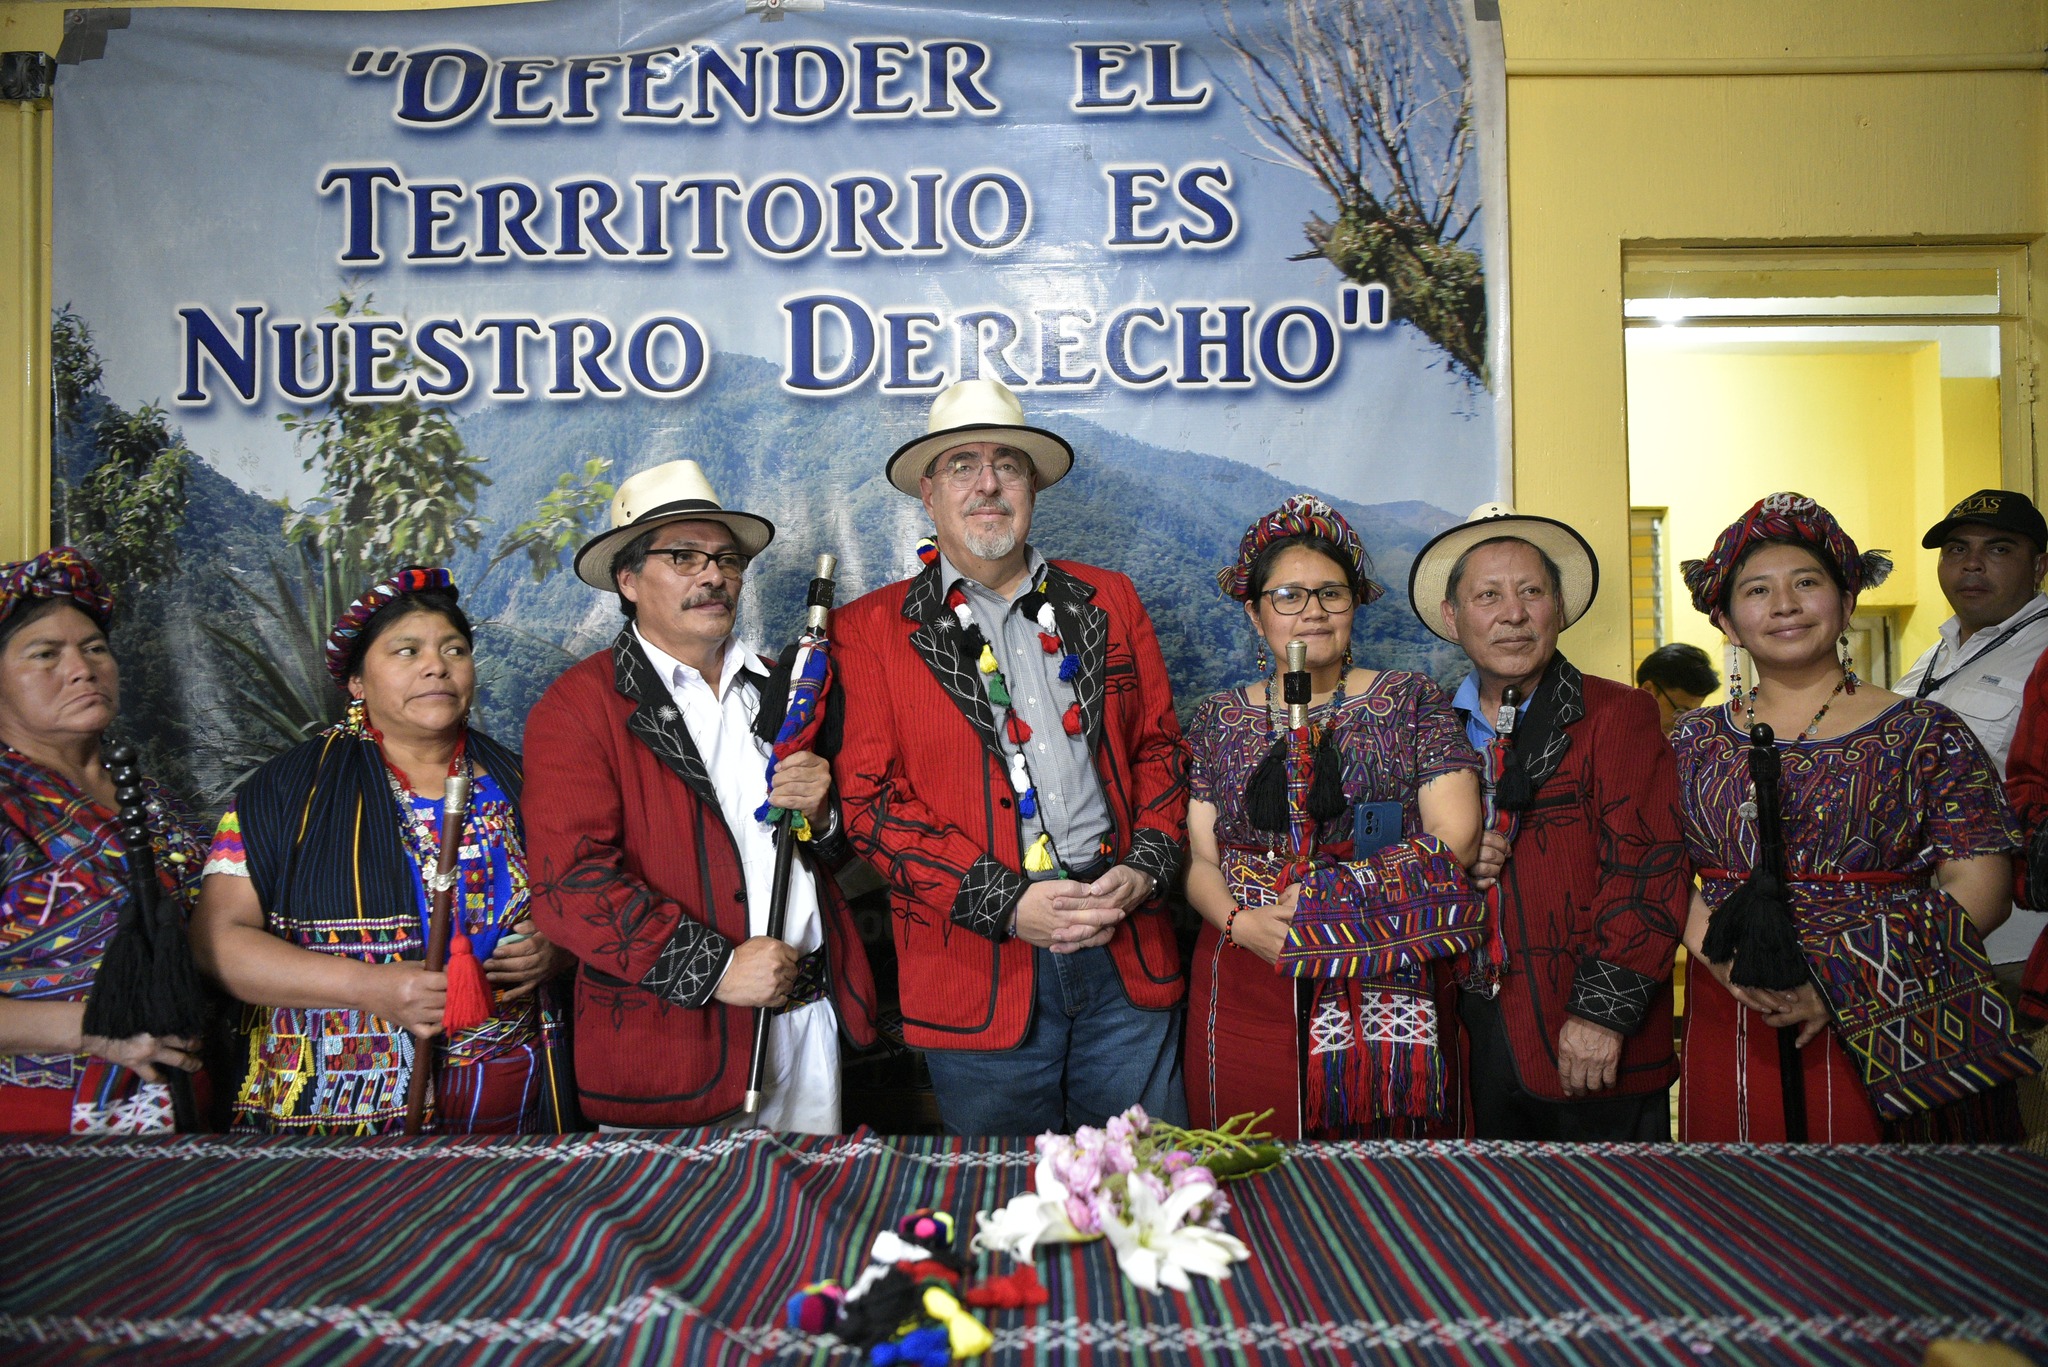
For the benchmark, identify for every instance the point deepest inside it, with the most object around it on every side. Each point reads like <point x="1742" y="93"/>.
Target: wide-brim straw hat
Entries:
<point x="979" y="410"/>
<point x="1430" y="574"/>
<point x="673" y="492"/>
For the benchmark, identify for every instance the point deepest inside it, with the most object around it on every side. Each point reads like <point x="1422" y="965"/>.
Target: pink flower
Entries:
<point x="1196" y="1176"/>
<point x="1177" y="1160"/>
<point x="1081" y="1214"/>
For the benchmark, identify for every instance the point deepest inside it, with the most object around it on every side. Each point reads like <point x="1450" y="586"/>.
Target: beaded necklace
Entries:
<point x="417" y="831"/>
<point x="1846" y="682"/>
<point x="1041" y="856"/>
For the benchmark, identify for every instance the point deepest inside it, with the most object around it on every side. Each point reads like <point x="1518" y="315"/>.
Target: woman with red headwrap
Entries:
<point x="63" y="873"/>
<point x="1390" y="761"/>
<point x="1895" y="841"/>
<point x="315" y="906"/>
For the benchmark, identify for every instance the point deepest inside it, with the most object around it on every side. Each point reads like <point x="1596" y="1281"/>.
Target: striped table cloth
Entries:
<point x="680" y="1248"/>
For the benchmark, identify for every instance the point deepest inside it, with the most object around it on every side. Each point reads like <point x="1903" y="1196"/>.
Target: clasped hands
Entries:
<point x="1064" y="915"/>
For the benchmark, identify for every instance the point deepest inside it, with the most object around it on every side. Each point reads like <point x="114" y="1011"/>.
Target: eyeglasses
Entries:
<point x="690" y="560"/>
<point x="1291" y="600"/>
<point x="960" y="471"/>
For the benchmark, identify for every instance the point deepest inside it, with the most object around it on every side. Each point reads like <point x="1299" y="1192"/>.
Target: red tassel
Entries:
<point x="1050" y="642"/>
<point x="1019" y="731"/>
<point x="469" y="996"/>
<point x="1018" y="1289"/>
<point x="1071" y="719"/>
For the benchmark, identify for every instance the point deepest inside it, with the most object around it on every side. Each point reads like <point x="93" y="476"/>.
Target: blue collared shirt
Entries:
<point x="1478" y="721"/>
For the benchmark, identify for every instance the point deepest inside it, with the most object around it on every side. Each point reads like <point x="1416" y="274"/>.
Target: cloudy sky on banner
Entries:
<point x="191" y="156"/>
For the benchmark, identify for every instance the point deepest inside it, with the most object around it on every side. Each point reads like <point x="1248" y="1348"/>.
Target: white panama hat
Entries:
<point x="979" y="410"/>
<point x="675" y="491"/>
<point x="1430" y="575"/>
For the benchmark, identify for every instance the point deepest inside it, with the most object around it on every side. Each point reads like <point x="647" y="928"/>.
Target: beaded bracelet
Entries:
<point x="1230" y="922"/>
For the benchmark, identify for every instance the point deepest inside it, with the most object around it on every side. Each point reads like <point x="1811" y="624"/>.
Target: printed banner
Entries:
<point x="344" y="292"/>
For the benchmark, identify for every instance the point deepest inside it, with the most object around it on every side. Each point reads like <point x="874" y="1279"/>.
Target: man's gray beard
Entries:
<point x="993" y="546"/>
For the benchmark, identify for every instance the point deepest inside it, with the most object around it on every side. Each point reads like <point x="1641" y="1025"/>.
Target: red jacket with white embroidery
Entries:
<point x="636" y="873"/>
<point x="923" y="785"/>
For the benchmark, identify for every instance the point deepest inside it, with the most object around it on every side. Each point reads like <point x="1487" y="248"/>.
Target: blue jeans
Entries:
<point x="1088" y="1055"/>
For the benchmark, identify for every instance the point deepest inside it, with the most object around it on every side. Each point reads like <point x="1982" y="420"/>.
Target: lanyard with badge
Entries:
<point x="1929" y="681"/>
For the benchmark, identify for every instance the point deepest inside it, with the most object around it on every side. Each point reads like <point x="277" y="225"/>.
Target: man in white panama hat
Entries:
<point x="1591" y="883"/>
<point x="644" y="766"/>
<point x="1013" y="768"/>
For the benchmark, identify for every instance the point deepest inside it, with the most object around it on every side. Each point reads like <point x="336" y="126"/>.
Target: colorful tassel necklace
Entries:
<point x="1041" y="856"/>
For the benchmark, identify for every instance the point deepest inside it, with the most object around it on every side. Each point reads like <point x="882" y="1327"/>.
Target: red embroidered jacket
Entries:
<point x="636" y="873"/>
<point x="1595" y="894"/>
<point x="922" y="782"/>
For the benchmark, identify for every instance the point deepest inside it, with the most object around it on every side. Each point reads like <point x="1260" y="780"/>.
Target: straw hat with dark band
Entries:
<point x="979" y="410"/>
<point x="674" y="492"/>
<point x="1576" y="565"/>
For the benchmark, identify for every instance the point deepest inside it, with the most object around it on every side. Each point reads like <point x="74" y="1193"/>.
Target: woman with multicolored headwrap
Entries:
<point x="1391" y="765"/>
<point x="315" y="908"/>
<point x="1896" y="844"/>
<point x="63" y="872"/>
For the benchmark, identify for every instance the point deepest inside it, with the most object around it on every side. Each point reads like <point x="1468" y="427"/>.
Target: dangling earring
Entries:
<point x="1849" y="679"/>
<point x="1735" y="679"/>
<point x="357" y="716"/>
<point x="1265" y="665"/>
<point x="1345" y="672"/>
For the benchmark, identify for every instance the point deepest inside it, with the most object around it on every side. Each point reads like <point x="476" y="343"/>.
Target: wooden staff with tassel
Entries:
<point x="426" y="1057"/>
<point x="147" y="983"/>
<point x="809" y="681"/>
<point x="1753" y="930"/>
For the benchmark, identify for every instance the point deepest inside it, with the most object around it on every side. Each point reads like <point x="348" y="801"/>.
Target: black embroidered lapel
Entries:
<point x="657" y="721"/>
<point x="939" y="641"/>
<point x="1084" y="628"/>
<point x="1549" y="742"/>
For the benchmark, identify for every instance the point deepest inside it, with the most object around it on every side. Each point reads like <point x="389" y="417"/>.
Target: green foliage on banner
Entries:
<point x="562" y="522"/>
<point x="125" y="511"/>
<point x="397" y="485"/>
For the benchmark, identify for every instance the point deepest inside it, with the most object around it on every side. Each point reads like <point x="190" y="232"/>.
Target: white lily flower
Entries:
<point x="1036" y="1217"/>
<point x="1159" y="1246"/>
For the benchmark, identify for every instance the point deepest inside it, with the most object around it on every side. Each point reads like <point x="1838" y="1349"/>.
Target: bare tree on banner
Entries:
<point x="1375" y="102"/>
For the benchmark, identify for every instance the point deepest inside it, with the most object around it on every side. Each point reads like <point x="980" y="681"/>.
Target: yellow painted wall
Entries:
<point x="1874" y="432"/>
<point x="1737" y="122"/>
<point x="1730" y="121"/>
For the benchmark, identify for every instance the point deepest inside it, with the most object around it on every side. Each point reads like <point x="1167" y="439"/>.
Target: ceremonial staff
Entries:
<point x="810" y="678"/>
<point x="426" y="1056"/>
<point x="1487" y="962"/>
<point x="1752" y="931"/>
<point x="147" y="983"/>
<point x="1297" y="689"/>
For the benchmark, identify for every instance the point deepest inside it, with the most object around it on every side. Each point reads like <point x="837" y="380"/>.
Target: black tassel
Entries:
<point x="1513" y="793"/>
<point x="119" y="1005"/>
<point x="881" y="1310"/>
<point x="1265" y="792"/>
<point x="1326" y="784"/>
<point x="1752" y="933"/>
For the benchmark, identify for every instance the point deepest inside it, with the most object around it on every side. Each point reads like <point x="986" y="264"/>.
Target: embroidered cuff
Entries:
<point x="1156" y="854"/>
<point x="690" y="965"/>
<point x="1610" y="995"/>
<point x="988" y="894"/>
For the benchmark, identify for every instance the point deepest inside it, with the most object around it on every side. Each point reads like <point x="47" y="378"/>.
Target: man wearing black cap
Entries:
<point x="1994" y="550"/>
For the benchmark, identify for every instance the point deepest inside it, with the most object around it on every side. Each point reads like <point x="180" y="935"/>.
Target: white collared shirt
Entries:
<point x="1983" y="683"/>
<point x="1982" y="678"/>
<point x="801" y="1077"/>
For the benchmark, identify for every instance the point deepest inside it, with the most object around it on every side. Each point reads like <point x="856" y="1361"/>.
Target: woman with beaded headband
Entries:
<point x="315" y="906"/>
<point x="1896" y="840"/>
<point x="63" y="871"/>
<point x="1388" y="748"/>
